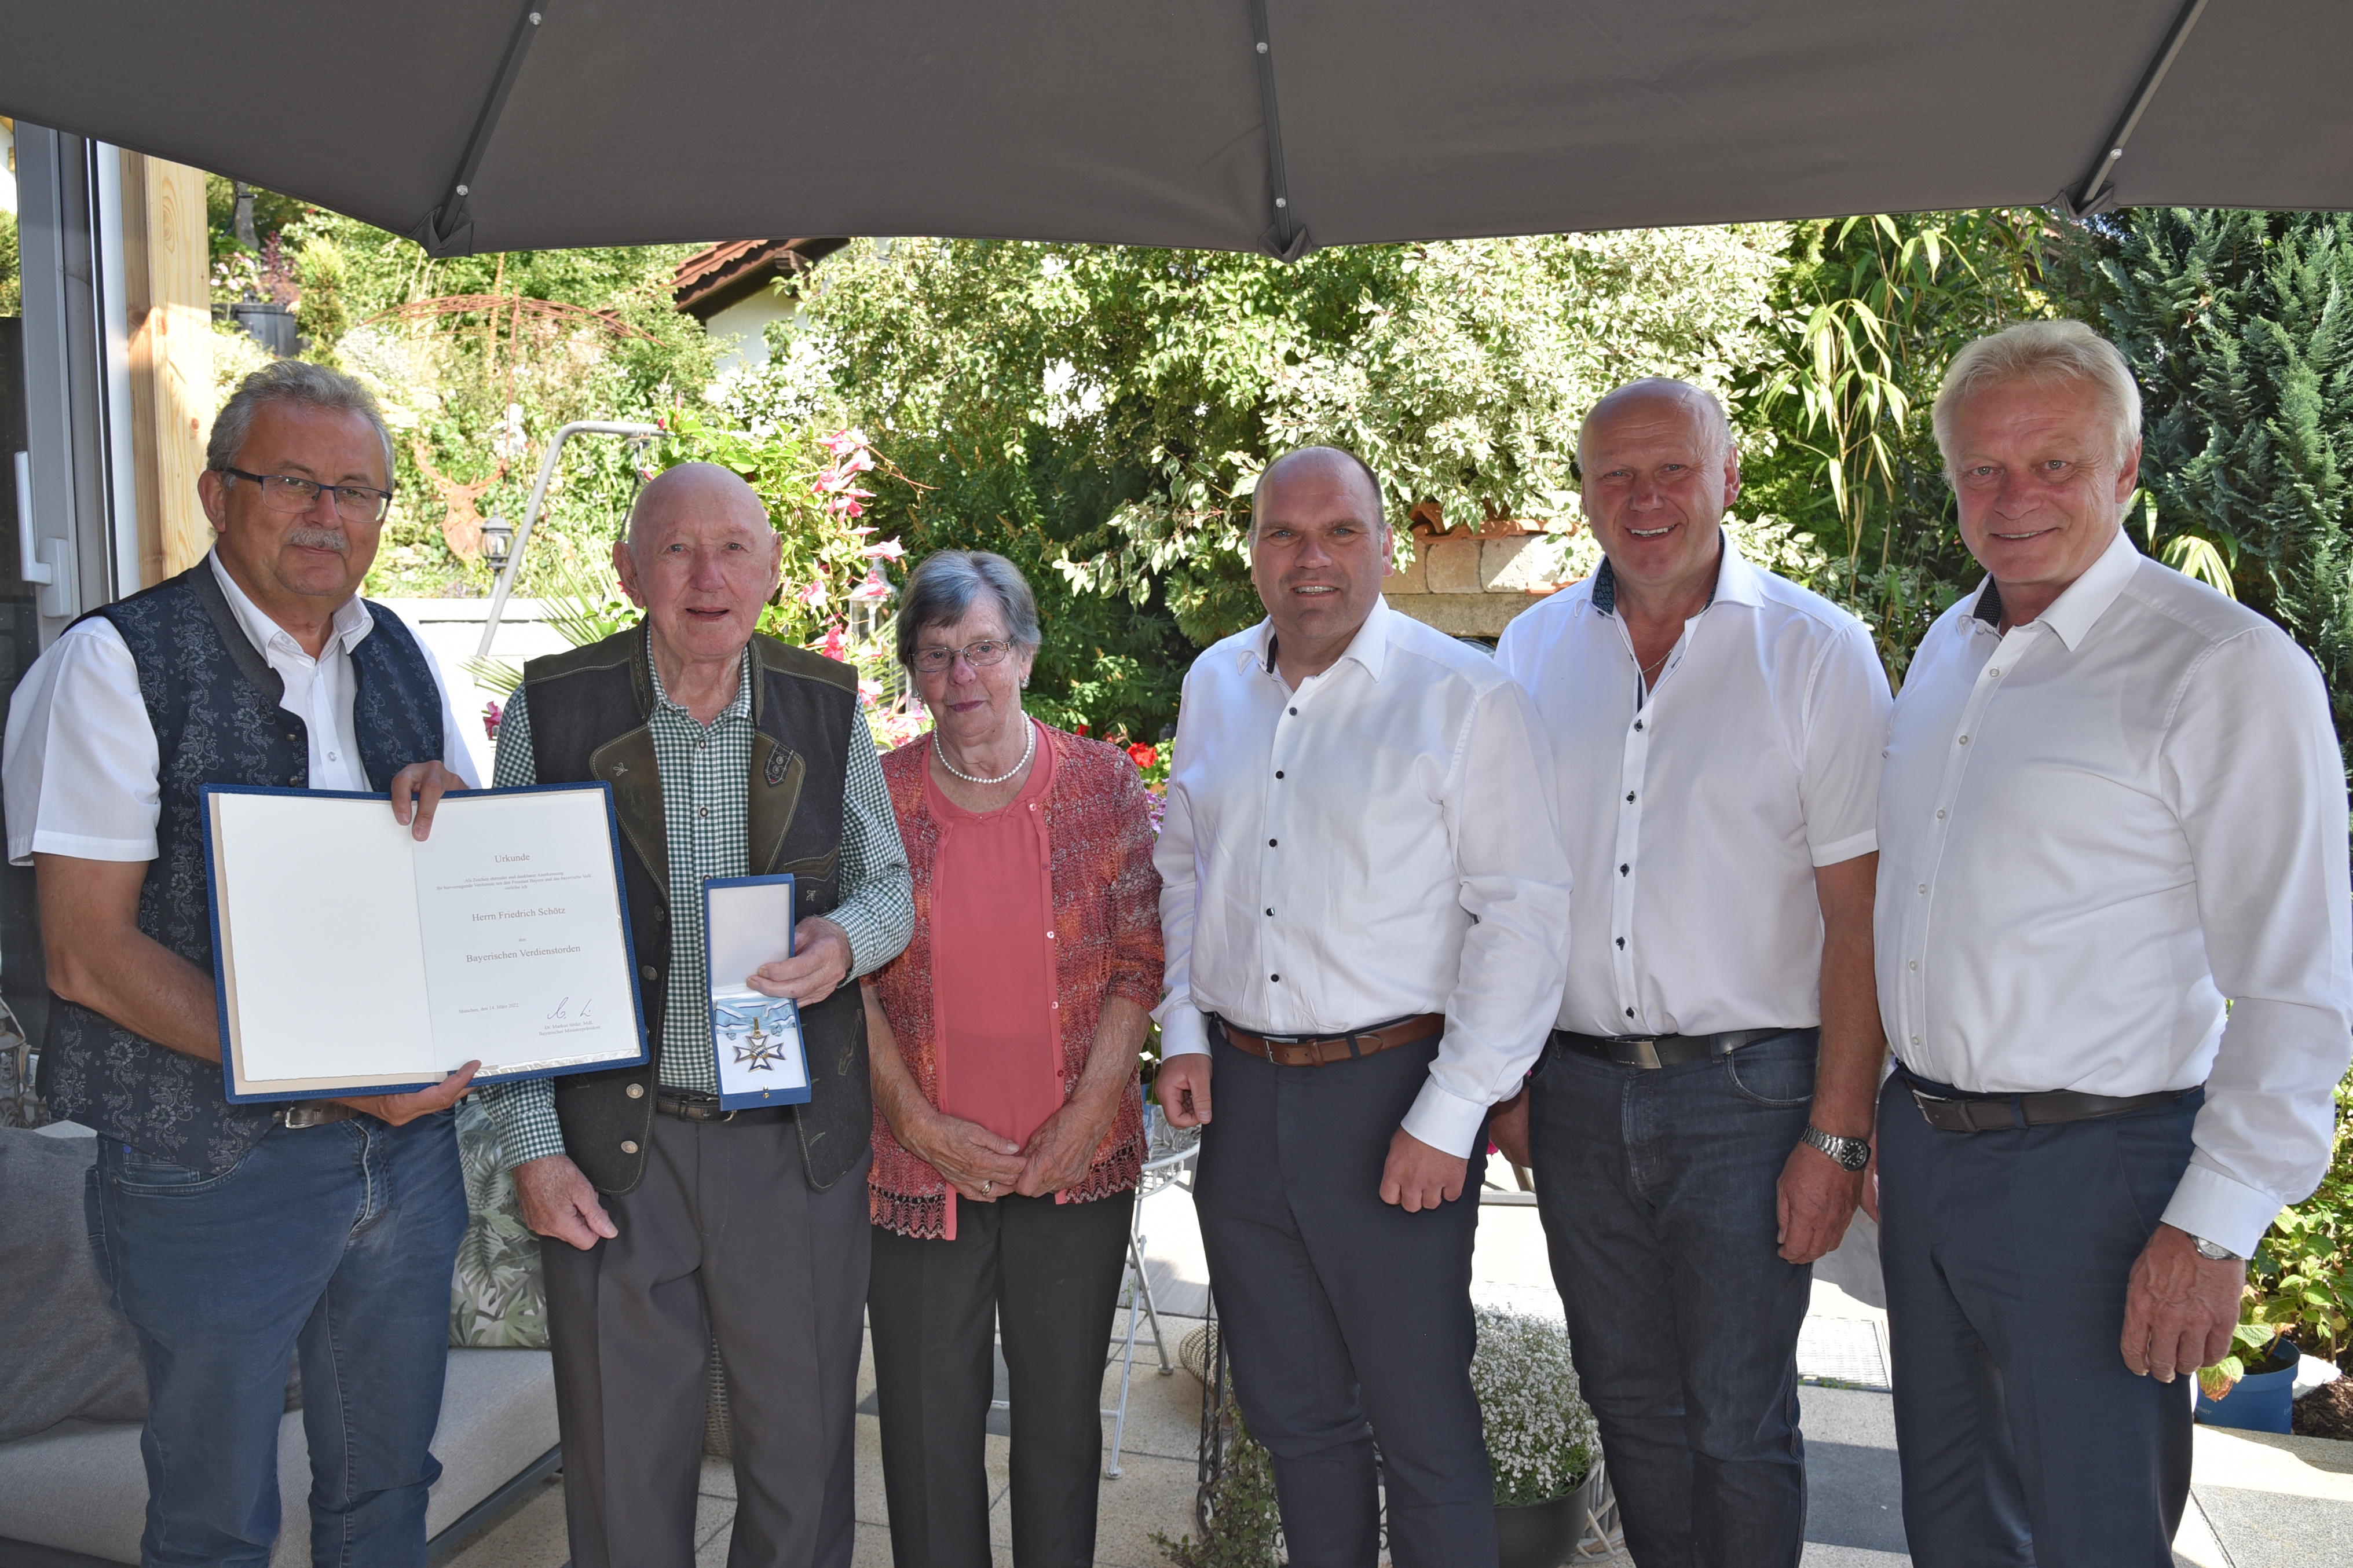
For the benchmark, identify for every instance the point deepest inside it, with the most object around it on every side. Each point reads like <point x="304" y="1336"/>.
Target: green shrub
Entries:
<point x="1245" y="1525"/>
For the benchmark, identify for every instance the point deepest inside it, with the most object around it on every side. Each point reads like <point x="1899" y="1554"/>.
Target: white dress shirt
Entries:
<point x="2096" y="829"/>
<point x="83" y="765"/>
<point x="1695" y="818"/>
<point x="1378" y="844"/>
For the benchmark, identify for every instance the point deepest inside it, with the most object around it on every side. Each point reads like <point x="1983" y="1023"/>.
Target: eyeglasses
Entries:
<point x="980" y="655"/>
<point x="284" y="492"/>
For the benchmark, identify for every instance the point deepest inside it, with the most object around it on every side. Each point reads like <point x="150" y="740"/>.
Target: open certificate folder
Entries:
<point x="351" y="959"/>
<point x="748" y="921"/>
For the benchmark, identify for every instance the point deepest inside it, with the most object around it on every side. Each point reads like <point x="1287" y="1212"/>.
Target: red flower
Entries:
<point x="1145" y="756"/>
<point x="1078" y="729"/>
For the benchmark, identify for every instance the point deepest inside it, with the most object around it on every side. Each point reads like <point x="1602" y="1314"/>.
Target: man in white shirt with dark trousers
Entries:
<point x="1700" y="1122"/>
<point x="2116" y="966"/>
<point x="1365" y="903"/>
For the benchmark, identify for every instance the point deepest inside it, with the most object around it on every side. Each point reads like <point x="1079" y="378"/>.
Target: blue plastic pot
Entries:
<point x="2259" y="1402"/>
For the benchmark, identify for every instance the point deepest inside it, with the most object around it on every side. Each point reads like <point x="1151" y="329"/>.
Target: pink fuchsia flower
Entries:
<point x="492" y="714"/>
<point x="888" y="550"/>
<point x="833" y="641"/>
<point x="813" y="592"/>
<point x="872" y="588"/>
<point x="843" y="441"/>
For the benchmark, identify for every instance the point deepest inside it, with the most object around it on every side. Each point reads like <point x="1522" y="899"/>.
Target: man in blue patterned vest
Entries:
<point x="235" y="1237"/>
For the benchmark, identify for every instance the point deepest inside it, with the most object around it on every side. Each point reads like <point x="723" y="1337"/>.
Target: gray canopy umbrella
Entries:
<point x="1269" y="125"/>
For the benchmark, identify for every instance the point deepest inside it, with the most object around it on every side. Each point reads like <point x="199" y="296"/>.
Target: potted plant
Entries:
<point x="1542" y="1444"/>
<point x="2253" y="1387"/>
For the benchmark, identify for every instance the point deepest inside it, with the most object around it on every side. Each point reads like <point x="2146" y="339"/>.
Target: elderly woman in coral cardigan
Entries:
<point x="1008" y="1134"/>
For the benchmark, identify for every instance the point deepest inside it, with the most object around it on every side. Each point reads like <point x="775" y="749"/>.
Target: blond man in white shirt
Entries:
<point x="1365" y="902"/>
<point x="1700" y="1123"/>
<point x="2113" y="950"/>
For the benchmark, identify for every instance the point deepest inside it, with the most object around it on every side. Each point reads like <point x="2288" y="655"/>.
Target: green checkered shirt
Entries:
<point x="706" y="793"/>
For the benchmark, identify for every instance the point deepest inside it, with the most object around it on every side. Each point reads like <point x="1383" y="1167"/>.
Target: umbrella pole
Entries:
<point x="514" y="567"/>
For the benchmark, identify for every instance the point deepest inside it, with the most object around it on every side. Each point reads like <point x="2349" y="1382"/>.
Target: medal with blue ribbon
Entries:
<point x="756" y="1031"/>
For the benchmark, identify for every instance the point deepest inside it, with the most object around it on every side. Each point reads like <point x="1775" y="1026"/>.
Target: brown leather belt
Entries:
<point x="1951" y="1111"/>
<point x="1321" y="1050"/>
<point x="693" y="1105"/>
<point x="1663" y="1050"/>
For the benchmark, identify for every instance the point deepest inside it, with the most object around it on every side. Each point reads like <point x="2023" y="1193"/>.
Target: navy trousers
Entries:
<point x="1347" y="1320"/>
<point x="334" y="1242"/>
<point x="1657" y="1188"/>
<point x="2023" y="1438"/>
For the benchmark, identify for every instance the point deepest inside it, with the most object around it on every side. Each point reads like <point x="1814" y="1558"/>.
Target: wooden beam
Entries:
<point x="168" y="289"/>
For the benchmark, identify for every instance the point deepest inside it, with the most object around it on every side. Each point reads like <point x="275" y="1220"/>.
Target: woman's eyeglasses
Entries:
<point x="980" y="655"/>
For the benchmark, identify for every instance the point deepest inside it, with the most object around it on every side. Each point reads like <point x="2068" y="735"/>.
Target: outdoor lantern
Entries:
<point x="497" y="538"/>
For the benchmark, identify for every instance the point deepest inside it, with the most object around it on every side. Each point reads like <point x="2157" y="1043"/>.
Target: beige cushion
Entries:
<point x="81" y="1485"/>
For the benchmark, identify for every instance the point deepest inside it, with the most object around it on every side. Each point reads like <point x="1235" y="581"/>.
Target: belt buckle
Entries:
<point x="1926" y="1102"/>
<point x="304" y="1114"/>
<point x="1645" y="1049"/>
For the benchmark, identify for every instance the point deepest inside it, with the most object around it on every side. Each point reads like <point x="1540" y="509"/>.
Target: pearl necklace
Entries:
<point x="1027" y="752"/>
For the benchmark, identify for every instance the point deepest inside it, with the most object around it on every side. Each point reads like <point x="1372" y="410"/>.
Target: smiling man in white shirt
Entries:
<point x="2116" y="968"/>
<point x="1365" y="905"/>
<point x="1699" y="1126"/>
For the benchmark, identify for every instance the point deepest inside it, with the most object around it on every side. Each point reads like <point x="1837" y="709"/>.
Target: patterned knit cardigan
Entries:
<point x="1107" y="910"/>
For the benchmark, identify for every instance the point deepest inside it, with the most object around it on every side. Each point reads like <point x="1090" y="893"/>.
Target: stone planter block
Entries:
<point x="1410" y="576"/>
<point x="1519" y="565"/>
<point x="1454" y="565"/>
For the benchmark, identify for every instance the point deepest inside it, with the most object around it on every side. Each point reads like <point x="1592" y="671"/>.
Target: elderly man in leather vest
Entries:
<point x="729" y="754"/>
<point x="234" y="1235"/>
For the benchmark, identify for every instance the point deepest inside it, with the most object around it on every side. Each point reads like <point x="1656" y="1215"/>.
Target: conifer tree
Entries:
<point x="2239" y="326"/>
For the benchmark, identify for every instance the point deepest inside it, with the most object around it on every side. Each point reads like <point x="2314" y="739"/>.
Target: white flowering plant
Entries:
<point x="1541" y="1439"/>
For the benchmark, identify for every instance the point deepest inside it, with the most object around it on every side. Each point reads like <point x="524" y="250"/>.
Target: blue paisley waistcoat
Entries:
<point x="214" y="702"/>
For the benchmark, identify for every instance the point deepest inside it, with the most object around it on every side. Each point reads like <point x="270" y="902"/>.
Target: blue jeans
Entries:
<point x="1657" y="1191"/>
<point x="336" y="1242"/>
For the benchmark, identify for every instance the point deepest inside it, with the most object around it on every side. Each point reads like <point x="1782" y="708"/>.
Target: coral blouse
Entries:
<point x="1080" y="867"/>
<point x="1001" y="1053"/>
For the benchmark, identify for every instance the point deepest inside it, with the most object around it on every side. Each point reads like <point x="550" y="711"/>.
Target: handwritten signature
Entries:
<point x="563" y="1010"/>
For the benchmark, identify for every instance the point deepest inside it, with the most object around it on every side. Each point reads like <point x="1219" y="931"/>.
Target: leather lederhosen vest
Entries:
<point x="589" y="710"/>
<point x="214" y="702"/>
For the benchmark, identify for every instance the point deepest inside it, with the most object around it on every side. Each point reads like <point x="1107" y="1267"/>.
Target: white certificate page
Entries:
<point x="354" y="958"/>
<point x="527" y="955"/>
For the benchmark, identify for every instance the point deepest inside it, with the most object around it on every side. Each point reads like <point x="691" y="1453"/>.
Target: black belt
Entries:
<point x="694" y="1105"/>
<point x="1662" y="1050"/>
<point x="1950" y="1110"/>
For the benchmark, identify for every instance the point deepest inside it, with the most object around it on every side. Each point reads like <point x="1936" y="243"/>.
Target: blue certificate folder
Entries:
<point x="349" y="959"/>
<point x="755" y="1038"/>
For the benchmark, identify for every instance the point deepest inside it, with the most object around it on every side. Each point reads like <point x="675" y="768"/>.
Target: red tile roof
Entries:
<point x="717" y="277"/>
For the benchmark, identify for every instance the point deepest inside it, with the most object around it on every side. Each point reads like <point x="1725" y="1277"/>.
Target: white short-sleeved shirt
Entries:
<point x="81" y="769"/>
<point x="1694" y="815"/>
<point x="2094" y="829"/>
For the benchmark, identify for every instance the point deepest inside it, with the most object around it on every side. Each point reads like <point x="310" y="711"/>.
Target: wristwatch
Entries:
<point x="2213" y="1251"/>
<point x="1852" y="1153"/>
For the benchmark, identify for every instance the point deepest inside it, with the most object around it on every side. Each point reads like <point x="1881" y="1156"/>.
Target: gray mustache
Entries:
<point x="319" y="539"/>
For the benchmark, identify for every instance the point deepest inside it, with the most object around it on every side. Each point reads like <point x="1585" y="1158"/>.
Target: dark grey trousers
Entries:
<point x="723" y="1236"/>
<point x="1340" y="1309"/>
<point x="2023" y="1438"/>
<point x="1045" y="1276"/>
